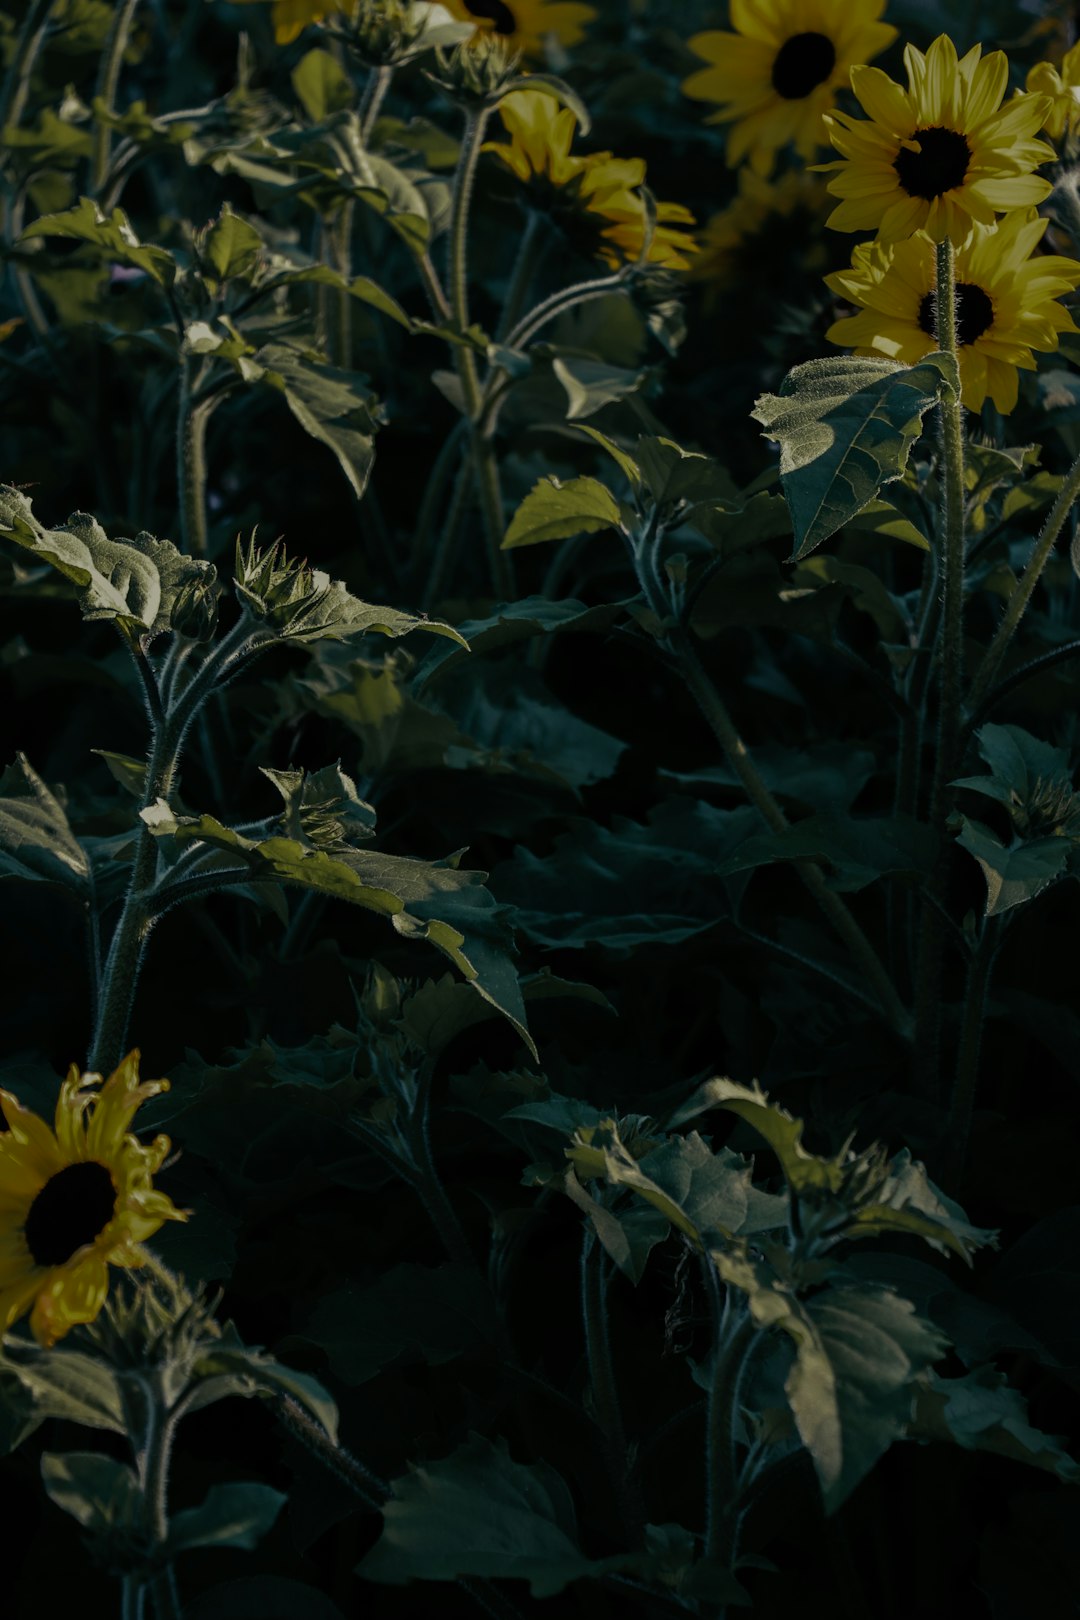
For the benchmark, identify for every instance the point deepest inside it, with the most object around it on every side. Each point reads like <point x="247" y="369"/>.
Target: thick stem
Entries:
<point x="108" y="78"/>
<point x="152" y="1463"/>
<point x="732" y="1341"/>
<point x="371" y="1490"/>
<point x="15" y="89"/>
<point x="832" y="905"/>
<point x="559" y="302"/>
<point x="530" y="251"/>
<point x="953" y="550"/>
<point x="1022" y="591"/>
<point x="191" y="420"/>
<point x="338" y="235"/>
<point x="605" y="1395"/>
<point x="441" y="562"/>
<point x="965" y="1085"/>
<point x="378" y="83"/>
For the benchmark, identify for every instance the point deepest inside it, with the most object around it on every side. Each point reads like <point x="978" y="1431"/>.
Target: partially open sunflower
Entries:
<point x="291" y="17"/>
<point x="942" y="153"/>
<point x="76" y="1198"/>
<point x="1006" y="304"/>
<point x="1062" y="85"/>
<point x="526" y="25"/>
<point x="780" y="70"/>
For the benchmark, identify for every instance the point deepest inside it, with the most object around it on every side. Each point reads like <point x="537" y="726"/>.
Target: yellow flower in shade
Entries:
<point x="596" y="198"/>
<point x="291" y="17"/>
<point x="526" y="25"/>
<point x="780" y="71"/>
<point x="940" y="154"/>
<point x="767" y="225"/>
<point x="1006" y="306"/>
<point x="76" y="1198"/>
<point x="1062" y="85"/>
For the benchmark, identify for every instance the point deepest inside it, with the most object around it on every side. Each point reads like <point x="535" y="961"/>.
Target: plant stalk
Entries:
<point x="605" y="1395"/>
<point x="965" y="1085"/>
<point x="108" y="79"/>
<point x="191" y="421"/>
<point x="732" y="1343"/>
<point x="15" y="90"/>
<point x="378" y="83"/>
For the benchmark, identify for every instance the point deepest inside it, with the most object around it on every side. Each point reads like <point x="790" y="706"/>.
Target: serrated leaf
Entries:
<point x="100" y="1492"/>
<point x="803" y="1171"/>
<point x="87" y="222"/>
<point x="66" y="1384"/>
<point x="857" y="850"/>
<point x="236" y="1514"/>
<point x="480" y="1513"/>
<point x="553" y="510"/>
<point x="981" y="1412"/>
<point x="1015" y="872"/>
<point x="592" y="384"/>
<point x="332" y="405"/>
<point x="233" y="247"/>
<point x="36" y="840"/>
<point x="845" y="427"/>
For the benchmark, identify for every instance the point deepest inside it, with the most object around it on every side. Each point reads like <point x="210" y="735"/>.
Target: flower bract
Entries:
<point x="291" y="17"/>
<point x="75" y="1198"/>
<point x="527" y="25"/>
<point x="595" y="198"/>
<point x="1006" y="307"/>
<point x="1062" y="85"/>
<point x="942" y="153"/>
<point x="780" y="70"/>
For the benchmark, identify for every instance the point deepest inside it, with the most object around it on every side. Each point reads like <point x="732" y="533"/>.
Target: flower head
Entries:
<point x="942" y="153"/>
<point x="1063" y="88"/>
<point x="526" y="25"/>
<point x="291" y="17"/>
<point x="752" y="237"/>
<point x="595" y="198"/>
<point x="76" y="1198"/>
<point x="780" y="71"/>
<point x="1007" y="304"/>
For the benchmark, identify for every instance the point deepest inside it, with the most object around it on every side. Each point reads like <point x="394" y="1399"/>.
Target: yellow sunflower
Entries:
<point x="780" y="71"/>
<point x="595" y="198"/>
<point x="1006" y="306"/>
<point x="1062" y="85"/>
<point x="765" y="226"/>
<point x="291" y="17"/>
<point x="526" y="25"/>
<point x="940" y="154"/>
<point x="75" y="1198"/>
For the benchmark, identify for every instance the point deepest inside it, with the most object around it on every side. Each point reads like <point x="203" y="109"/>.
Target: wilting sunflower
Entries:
<point x="291" y="17"/>
<point x="526" y="25"/>
<point x="1062" y="85"/>
<point x="595" y="199"/>
<point x="940" y="154"/>
<point x="76" y="1198"/>
<point x="781" y="69"/>
<point x="1006" y="305"/>
<point x="770" y="228"/>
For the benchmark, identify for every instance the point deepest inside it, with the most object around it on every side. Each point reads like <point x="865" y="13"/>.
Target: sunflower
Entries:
<point x="1006" y="303"/>
<point x="291" y="17"/>
<point x="781" y="69"/>
<point x="596" y="198"/>
<point x="1063" y="87"/>
<point x="526" y="25"/>
<point x="940" y="154"/>
<point x="753" y="236"/>
<point x="76" y="1198"/>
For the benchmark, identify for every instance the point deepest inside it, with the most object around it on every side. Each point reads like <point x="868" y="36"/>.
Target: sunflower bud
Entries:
<point x="195" y="610"/>
<point x="276" y="589"/>
<point x="382" y="33"/>
<point x="478" y="74"/>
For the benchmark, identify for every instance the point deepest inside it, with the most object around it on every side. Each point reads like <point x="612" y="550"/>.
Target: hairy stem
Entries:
<point x="731" y="1344"/>
<point x="191" y="419"/>
<point x="530" y="251"/>
<point x="1022" y="591"/>
<point x="108" y="78"/>
<point x="605" y="1395"/>
<point x="1056" y="655"/>
<point x="152" y="1465"/>
<point x="15" y="89"/>
<point x="378" y="83"/>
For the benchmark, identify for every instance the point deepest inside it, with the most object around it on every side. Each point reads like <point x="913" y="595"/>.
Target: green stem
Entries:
<point x="1036" y="666"/>
<point x="152" y="1464"/>
<point x="953" y="549"/>
<point x="338" y="236"/>
<point x="108" y="78"/>
<point x="371" y="1490"/>
<point x="529" y="253"/>
<point x="16" y="86"/>
<point x="447" y="545"/>
<point x="731" y="1345"/>
<point x="605" y="1395"/>
<point x="1021" y="593"/>
<point x="965" y="1085"/>
<point x="378" y="83"/>
<point x="831" y="904"/>
<point x="559" y="302"/>
<point x="430" y="1189"/>
<point x="191" y="420"/>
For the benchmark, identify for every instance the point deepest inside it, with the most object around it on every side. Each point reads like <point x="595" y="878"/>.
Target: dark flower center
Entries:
<point x="494" y="11"/>
<point x="69" y="1211"/>
<point x="802" y="63"/>
<point x="940" y="164"/>
<point x="974" y="313"/>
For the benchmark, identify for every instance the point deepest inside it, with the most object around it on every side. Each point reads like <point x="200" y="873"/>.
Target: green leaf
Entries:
<point x="704" y="1194"/>
<point x="981" y="1412"/>
<point x="247" y="1370"/>
<point x="232" y="247"/>
<point x="479" y="1513"/>
<point x="322" y="85"/>
<point x="36" y="841"/>
<point x="439" y="1011"/>
<point x="628" y="1236"/>
<point x="130" y="773"/>
<point x="881" y="517"/>
<point x="331" y="405"/>
<point x="553" y="510"/>
<point x="845" y="427"/>
<point x="803" y="1171"/>
<point x="101" y="1493"/>
<point x="858" y="850"/>
<point x="233" y="1515"/>
<point x="674" y="474"/>
<point x="592" y="384"/>
<point x="519" y="621"/>
<point x="134" y="582"/>
<point x="408" y="1314"/>
<point x="1014" y="872"/>
<point x="66" y="1384"/>
<point x="86" y="222"/>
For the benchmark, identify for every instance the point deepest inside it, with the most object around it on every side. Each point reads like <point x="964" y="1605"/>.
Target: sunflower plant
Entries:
<point x="551" y="720"/>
